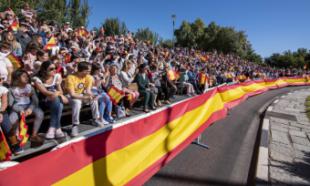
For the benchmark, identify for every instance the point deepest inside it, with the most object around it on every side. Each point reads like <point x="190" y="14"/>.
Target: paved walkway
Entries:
<point x="289" y="140"/>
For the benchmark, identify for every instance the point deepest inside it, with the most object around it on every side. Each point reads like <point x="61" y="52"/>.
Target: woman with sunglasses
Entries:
<point x="48" y="83"/>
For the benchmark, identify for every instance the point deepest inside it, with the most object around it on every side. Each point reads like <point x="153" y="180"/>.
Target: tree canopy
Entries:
<point x="74" y="11"/>
<point x="113" y="26"/>
<point x="145" y="34"/>
<point x="289" y="59"/>
<point x="214" y="37"/>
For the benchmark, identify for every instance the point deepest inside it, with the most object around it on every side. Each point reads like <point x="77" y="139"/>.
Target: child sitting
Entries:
<point x="23" y="100"/>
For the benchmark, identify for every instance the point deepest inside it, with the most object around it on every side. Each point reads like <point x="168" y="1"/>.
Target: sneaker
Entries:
<point x="17" y="150"/>
<point x="59" y="133"/>
<point x="100" y="123"/>
<point x="50" y="133"/>
<point x="75" y="131"/>
<point x="110" y="119"/>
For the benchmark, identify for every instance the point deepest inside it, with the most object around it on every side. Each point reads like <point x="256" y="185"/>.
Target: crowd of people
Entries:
<point x="44" y="66"/>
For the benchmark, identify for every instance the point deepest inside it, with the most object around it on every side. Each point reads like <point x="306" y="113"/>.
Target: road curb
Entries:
<point x="262" y="167"/>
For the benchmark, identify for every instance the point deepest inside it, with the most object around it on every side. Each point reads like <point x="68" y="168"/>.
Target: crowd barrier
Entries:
<point x="131" y="153"/>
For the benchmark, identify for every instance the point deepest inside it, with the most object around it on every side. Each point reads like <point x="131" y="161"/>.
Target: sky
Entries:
<point x="271" y="25"/>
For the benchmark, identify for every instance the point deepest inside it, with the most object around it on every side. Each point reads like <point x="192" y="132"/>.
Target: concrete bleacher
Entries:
<point x="86" y="128"/>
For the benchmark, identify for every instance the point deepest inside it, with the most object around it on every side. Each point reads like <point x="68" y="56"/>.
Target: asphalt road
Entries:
<point x="231" y="143"/>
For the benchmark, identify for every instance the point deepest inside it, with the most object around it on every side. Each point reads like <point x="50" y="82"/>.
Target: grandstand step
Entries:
<point x="85" y="128"/>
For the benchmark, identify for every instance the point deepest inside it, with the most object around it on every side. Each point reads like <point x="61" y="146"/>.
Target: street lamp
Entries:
<point x="173" y="16"/>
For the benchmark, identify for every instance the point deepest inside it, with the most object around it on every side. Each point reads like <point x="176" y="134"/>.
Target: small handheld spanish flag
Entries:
<point x="23" y="129"/>
<point x="129" y="97"/>
<point x="204" y="58"/>
<point x="171" y="75"/>
<point x="177" y="75"/>
<point x="50" y="44"/>
<point x="14" y="26"/>
<point x="115" y="94"/>
<point x="5" y="152"/>
<point x="15" y="61"/>
<point x="202" y="79"/>
<point x="82" y="32"/>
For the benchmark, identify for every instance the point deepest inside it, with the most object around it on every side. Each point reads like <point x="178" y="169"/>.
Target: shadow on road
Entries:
<point x="193" y="180"/>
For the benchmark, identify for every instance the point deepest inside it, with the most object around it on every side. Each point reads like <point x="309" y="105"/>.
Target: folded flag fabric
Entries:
<point x="50" y="44"/>
<point x="202" y="79"/>
<point x="5" y="152"/>
<point x="204" y="58"/>
<point x="23" y="129"/>
<point x="16" y="62"/>
<point x="171" y="75"/>
<point x="177" y="75"/>
<point x="82" y="32"/>
<point x="130" y="97"/>
<point x="115" y="94"/>
<point x="14" y="26"/>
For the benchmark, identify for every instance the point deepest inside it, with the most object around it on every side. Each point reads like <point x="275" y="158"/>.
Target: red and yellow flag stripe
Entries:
<point x="115" y="94"/>
<point x="131" y="154"/>
<point x="23" y="131"/>
<point x="50" y="44"/>
<point x="16" y="62"/>
<point x="5" y="152"/>
<point x="171" y="75"/>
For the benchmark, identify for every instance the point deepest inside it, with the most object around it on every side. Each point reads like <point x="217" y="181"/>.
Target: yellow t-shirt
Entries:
<point x="78" y="85"/>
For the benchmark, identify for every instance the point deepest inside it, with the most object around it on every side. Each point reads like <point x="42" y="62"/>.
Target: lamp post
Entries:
<point x="173" y="16"/>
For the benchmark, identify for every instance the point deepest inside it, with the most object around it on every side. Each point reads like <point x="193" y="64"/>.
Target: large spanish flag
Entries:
<point x="132" y="152"/>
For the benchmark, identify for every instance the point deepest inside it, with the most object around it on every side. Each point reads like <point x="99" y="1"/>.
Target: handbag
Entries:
<point x="133" y="86"/>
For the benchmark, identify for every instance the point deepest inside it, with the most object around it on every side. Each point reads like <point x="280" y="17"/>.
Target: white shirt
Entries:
<point x="5" y="63"/>
<point x="50" y="87"/>
<point x="21" y="95"/>
<point x="127" y="79"/>
<point x="3" y="91"/>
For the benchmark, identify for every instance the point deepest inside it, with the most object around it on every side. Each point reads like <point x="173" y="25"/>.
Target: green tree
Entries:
<point x="253" y="57"/>
<point x="214" y="37"/>
<point x="184" y="35"/>
<point x="113" y="26"/>
<point x="198" y="28"/>
<point x="167" y="43"/>
<point x="78" y="12"/>
<point x="145" y="34"/>
<point x="74" y="11"/>
<point x="289" y="59"/>
<point x="52" y="10"/>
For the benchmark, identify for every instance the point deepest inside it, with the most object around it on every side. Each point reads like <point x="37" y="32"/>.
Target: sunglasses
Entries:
<point x="51" y="69"/>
